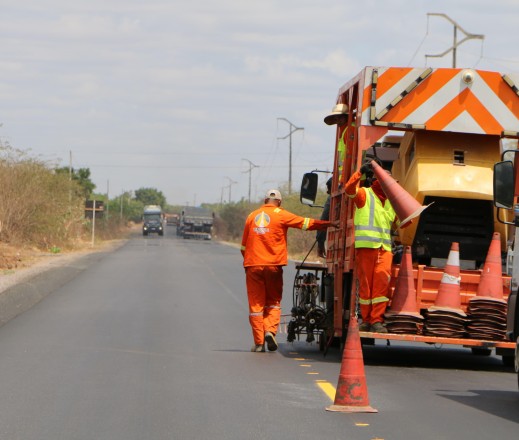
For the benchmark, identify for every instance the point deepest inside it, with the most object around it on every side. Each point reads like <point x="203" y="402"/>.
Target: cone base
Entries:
<point x="351" y="409"/>
<point x="488" y="298"/>
<point x="447" y="309"/>
<point x="393" y="314"/>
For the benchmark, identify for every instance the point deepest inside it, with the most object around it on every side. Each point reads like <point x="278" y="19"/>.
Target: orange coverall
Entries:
<point x="372" y="265"/>
<point x="264" y="250"/>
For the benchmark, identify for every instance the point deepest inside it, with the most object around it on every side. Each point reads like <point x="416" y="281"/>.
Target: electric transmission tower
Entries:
<point x="456" y="43"/>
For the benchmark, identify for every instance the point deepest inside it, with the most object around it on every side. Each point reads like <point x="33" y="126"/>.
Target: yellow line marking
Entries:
<point x="327" y="388"/>
<point x="299" y="359"/>
<point x="312" y="372"/>
<point x="361" y="424"/>
<point x="305" y="365"/>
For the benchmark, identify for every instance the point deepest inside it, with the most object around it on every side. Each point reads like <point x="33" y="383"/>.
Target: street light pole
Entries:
<point x="293" y="129"/>
<point x="251" y="167"/>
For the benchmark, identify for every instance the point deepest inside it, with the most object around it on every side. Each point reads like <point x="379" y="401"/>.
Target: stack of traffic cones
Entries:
<point x="404" y="316"/>
<point x="352" y="390"/>
<point x="487" y="310"/>
<point x="446" y="318"/>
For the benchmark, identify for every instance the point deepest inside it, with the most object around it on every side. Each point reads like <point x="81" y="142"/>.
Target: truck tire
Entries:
<point x="144" y="233"/>
<point x="508" y="360"/>
<point x="517" y="361"/>
<point x="481" y="351"/>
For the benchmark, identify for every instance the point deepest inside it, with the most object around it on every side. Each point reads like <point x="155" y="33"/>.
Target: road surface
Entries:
<point x="152" y="341"/>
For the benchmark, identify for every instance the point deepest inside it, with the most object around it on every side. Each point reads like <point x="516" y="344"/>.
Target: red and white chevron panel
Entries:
<point x="457" y="100"/>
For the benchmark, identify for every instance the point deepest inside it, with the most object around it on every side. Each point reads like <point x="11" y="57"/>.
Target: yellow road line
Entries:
<point x="327" y="388"/>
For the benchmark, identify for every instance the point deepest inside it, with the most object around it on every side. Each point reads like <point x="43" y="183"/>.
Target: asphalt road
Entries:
<point x="152" y="341"/>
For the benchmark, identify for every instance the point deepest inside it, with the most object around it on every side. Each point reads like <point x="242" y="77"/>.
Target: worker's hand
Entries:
<point x="366" y="168"/>
<point x="335" y="223"/>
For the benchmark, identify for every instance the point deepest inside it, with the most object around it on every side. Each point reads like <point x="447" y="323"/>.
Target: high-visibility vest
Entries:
<point x="373" y="223"/>
<point x="341" y="149"/>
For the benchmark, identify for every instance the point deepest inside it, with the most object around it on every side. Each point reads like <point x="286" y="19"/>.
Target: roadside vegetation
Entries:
<point x="43" y="209"/>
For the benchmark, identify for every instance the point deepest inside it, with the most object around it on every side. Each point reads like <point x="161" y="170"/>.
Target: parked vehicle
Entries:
<point x="439" y="132"/>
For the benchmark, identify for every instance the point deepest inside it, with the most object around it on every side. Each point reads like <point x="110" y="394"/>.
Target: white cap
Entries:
<point x="273" y="194"/>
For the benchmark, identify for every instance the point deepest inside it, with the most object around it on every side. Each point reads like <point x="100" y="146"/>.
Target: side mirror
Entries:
<point x="504" y="184"/>
<point x="309" y="189"/>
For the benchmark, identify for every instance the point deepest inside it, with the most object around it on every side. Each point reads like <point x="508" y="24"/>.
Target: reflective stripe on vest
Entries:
<point x="373" y="226"/>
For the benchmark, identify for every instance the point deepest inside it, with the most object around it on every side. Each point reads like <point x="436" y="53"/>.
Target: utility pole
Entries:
<point x="456" y="43"/>
<point x="251" y="167"/>
<point x="107" y="195"/>
<point x="293" y="129"/>
<point x="121" y="200"/>
<point x="70" y="178"/>
<point x="231" y="183"/>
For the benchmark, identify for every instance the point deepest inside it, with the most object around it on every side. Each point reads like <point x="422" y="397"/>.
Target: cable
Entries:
<point x="421" y="43"/>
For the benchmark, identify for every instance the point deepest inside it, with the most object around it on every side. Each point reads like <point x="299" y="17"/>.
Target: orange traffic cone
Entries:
<point x="449" y="298"/>
<point x="352" y="390"/>
<point x="404" y="204"/>
<point x="491" y="283"/>
<point x="404" y="297"/>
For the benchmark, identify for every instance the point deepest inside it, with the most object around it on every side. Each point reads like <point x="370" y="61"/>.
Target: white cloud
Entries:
<point x="192" y="88"/>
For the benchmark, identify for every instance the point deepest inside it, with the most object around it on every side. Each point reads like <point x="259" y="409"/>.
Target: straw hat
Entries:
<point x="338" y="116"/>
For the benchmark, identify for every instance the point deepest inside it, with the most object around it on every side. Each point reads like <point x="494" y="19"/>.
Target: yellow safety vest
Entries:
<point x="373" y="223"/>
<point x="341" y="149"/>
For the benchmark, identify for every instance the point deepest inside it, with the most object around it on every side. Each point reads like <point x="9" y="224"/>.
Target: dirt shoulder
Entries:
<point x="19" y="265"/>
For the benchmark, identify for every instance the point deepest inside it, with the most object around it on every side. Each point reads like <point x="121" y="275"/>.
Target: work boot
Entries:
<point x="365" y="327"/>
<point x="272" y="345"/>
<point x="378" y="327"/>
<point x="258" y="348"/>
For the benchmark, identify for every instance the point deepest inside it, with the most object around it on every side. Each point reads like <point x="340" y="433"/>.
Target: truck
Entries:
<point x="439" y="131"/>
<point x="506" y="193"/>
<point x="152" y="220"/>
<point x="195" y="222"/>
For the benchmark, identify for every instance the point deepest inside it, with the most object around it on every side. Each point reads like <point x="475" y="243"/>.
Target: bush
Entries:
<point x="37" y="206"/>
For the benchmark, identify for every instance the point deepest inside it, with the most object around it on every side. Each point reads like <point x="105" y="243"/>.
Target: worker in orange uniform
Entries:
<point x="264" y="250"/>
<point x="373" y="220"/>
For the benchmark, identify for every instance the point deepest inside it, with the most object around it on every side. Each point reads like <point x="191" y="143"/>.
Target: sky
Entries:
<point x="198" y="99"/>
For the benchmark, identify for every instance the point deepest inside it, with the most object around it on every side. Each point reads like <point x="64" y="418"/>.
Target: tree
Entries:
<point x="82" y="177"/>
<point x="150" y="196"/>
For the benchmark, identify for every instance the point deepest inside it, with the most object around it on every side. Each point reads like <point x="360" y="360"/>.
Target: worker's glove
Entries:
<point x="366" y="168"/>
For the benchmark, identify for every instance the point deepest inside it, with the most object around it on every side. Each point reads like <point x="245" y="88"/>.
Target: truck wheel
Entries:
<point x="517" y="361"/>
<point x="144" y="233"/>
<point x="508" y="361"/>
<point x="481" y="351"/>
<point x="161" y="233"/>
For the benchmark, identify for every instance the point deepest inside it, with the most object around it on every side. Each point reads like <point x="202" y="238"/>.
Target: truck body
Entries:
<point x="439" y="132"/>
<point x="195" y="222"/>
<point x="152" y="220"/>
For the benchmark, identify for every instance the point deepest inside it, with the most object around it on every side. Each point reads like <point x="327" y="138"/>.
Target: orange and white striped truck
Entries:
<point x="440" y="132"/>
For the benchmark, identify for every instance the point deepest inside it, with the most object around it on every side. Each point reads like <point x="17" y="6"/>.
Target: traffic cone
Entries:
<point x="404" y="296"/>
<point x="404" y="204"/>
<point x="449" y="298"/>
<point x="352" y="391"/>
<point x="491" y="283"/>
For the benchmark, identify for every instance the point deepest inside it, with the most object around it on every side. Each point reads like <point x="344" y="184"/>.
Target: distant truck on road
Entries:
<point x="195" y="222"/>
<point x="152" y="220"/>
